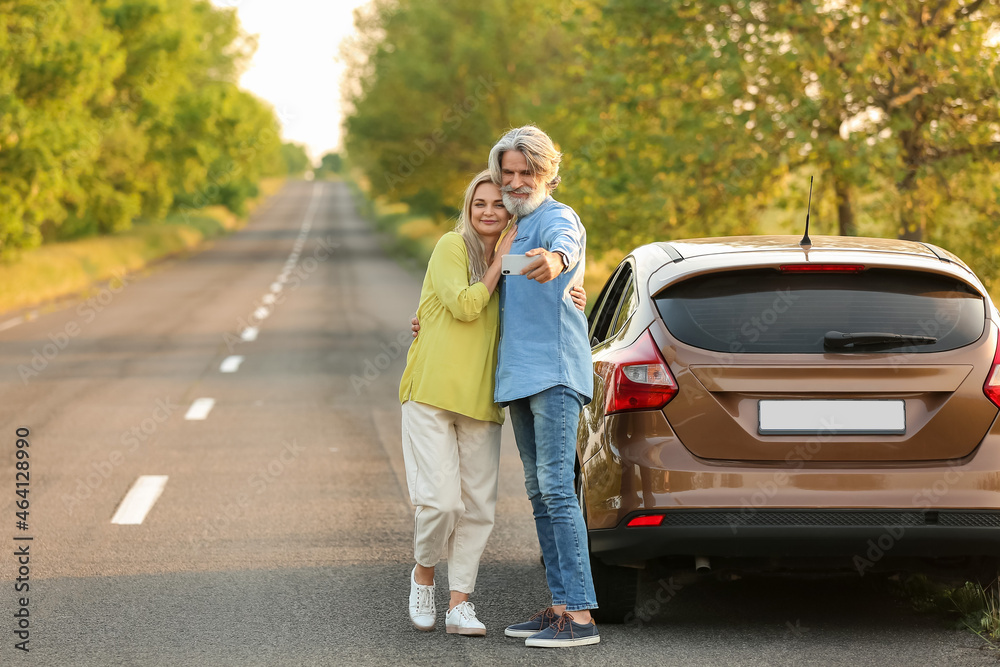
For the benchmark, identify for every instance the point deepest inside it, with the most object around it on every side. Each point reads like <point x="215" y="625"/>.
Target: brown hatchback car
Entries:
<point x="763" y="404"/>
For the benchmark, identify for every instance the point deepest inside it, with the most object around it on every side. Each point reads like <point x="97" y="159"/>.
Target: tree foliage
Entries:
<point x="904" y="91"/>
<point x="295" y="159"/>
<point x="115" y="109"/>
<point x="690" y="118"/>
<point x="431" y="87"/>
<point x="330" y="163"/>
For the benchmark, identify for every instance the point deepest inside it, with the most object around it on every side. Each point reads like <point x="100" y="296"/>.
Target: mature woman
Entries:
<point x="451" y="426"/>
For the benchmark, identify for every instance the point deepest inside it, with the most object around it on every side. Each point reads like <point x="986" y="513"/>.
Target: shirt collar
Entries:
<point x="548" y="201"/>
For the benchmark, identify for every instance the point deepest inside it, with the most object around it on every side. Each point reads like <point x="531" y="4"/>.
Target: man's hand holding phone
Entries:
<point x="545" y="265"/>
<point x="537" y="264"/>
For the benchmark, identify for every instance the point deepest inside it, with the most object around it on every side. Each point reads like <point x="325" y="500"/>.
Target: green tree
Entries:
<point x="898" y="94"/>
<point x="692" y="118"/>
<point x="432" y="85"/>
<point x="57" y="62"/>
<point x="330" y="163"/>
<point x="295" y="159"/>
<point x="220" y="140"/>
<point x="227" y="139"/>
<point x="109" y="109"/>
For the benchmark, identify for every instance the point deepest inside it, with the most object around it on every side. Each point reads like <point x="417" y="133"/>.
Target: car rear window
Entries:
<point x="766" y="311"/>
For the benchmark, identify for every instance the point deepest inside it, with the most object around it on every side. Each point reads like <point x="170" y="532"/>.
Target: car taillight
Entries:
<point x="645" y="520"/>
<point x="821" y="268"/>
<point x="639" y="378"/>
<point x="992" y="386"/>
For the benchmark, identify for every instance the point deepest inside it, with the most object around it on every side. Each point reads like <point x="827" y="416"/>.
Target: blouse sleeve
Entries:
<point x="449" y="270"/>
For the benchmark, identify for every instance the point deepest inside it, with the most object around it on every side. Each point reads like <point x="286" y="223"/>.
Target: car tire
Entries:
<point x="985" y="571"/>
<point x="616" y="587"/>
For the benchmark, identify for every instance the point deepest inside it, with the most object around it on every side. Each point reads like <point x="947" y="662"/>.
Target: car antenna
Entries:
<point x="805" y="237"/>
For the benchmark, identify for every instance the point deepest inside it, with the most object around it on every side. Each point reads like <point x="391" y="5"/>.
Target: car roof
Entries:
<point x="696" y="255"/>
<point x="690" y="248"/>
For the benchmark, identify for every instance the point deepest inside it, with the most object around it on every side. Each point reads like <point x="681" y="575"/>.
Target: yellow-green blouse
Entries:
<point x="452" y="363"/>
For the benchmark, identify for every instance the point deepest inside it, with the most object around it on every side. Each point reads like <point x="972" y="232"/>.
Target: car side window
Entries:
<point x="626" y="309"/>
<point x="607" y="313"/>
<point x="600" y="305"/>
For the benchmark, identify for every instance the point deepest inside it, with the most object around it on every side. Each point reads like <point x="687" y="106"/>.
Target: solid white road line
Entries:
<point x="199" y="409"/>
<point x="10" y="324"/>
<point x="139" y="500"/>
<point x="231" y="364"/>
<point x="250" y="333"/>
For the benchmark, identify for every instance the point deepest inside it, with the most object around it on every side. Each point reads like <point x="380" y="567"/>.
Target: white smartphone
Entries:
<point x="513" y="264"/>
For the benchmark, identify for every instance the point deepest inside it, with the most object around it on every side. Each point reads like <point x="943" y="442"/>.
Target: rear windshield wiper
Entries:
<point x="839" y="339"/>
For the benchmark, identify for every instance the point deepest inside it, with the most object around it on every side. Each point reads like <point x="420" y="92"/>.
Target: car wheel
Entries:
<point x="985" y="571"/>
<point x="616" y="587"/>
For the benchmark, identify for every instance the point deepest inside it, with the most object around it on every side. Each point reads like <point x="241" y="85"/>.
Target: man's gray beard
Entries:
<point x="523" y="207"/>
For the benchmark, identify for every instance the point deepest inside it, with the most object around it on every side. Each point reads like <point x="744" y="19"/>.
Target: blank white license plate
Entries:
<point x="843" y="417"/>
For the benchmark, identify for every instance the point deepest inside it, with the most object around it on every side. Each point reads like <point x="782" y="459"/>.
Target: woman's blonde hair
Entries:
<point x="473" y="242"/>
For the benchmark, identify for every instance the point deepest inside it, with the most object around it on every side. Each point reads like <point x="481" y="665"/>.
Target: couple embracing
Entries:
<point x="482" y="348"/>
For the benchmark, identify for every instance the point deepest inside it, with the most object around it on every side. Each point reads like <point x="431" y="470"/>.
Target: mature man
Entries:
<point x="545" y="376"/>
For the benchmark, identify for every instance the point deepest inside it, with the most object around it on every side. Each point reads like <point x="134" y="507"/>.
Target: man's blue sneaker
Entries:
<point x="565" y="632"/>
<point x="533" y="625"/>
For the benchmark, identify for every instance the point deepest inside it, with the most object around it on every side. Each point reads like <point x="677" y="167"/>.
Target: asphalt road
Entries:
<point x="283" y="533"/>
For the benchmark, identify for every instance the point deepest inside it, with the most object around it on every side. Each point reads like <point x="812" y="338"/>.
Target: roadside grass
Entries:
<point x="58" y="270"/>
<point x="407" y="237"/>
<point x="979" y="609"/>
<point x="969" y="606"/>
<point x="410" y="238"/>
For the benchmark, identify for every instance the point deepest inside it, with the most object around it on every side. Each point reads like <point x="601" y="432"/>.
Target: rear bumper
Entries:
<point x="749" y="532"/>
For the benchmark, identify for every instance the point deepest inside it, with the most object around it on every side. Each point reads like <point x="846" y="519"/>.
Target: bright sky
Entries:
<point x="296" y="67"/>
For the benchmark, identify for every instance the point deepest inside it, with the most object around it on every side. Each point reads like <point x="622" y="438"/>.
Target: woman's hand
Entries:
<point x="415" y="326"/>
<point x="505" y="243"/>
<point x="579" y="296"/>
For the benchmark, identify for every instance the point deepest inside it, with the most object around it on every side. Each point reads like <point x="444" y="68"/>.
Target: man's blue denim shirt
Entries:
<point x="543" y="336"/>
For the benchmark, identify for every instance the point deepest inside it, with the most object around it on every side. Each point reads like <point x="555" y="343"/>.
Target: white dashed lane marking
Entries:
<point x="231" y="364"/>
<point x="139" y="500"/>
<point x="199" y="409"/>
<point x="10" y="324"/>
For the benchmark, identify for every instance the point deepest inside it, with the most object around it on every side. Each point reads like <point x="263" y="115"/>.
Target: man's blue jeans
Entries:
<point x="545" y="429"/>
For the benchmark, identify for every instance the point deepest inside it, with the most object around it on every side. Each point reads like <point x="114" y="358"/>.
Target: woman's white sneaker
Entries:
<point x="462" y="620"/>
<point x="422" y="610"/>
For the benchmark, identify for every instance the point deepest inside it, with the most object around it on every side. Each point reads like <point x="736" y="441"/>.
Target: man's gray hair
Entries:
<point x="541" y="154"/>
